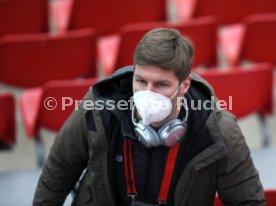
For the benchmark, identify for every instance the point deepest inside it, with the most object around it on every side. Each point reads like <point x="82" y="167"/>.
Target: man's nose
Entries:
<point x="150" y="87"/>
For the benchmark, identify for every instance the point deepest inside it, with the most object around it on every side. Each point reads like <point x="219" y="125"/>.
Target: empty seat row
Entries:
<point x="33" y="16"/>
<point x="108" y="17"/>
<point x="225" y="11"/>
<point x="41" y="57"/>
<point x="33" y="59"/>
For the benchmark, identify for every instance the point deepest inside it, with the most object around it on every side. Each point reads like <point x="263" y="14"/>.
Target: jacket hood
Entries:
<point x="114" y="88"/>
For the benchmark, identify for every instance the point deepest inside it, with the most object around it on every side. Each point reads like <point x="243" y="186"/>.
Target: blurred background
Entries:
<point x="51" y="49"/>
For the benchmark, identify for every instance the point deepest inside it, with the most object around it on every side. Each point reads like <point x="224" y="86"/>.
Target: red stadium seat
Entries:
<point x="7" y="120"/>
<point x="23" y="16"/>
<point x="238" y="81"/>
<point x="270" y="197"/>
<point x="226" y="11"/>
<point x="36" y="115"/>
<point x="107" y="16"/>
<point x="32" y="60"/>
<point x="50" y="105"/>
<point x="251" y="90"/>
<point x="255" y="43"/>
<point x="60" y="11"/>
<point x="117" y="51"/>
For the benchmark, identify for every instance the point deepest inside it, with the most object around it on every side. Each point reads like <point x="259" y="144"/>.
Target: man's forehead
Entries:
<point x="153" y="72"/>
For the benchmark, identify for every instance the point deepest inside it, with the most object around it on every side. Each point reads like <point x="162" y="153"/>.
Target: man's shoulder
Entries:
<point x="228" y="129"/>
<point x="200" y="82"/>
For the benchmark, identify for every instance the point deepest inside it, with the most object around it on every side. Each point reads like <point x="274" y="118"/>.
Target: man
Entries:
<point x="161" y="152"/>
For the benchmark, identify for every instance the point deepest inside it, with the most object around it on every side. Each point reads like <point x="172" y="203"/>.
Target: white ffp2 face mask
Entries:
<point x="152" y="107"/>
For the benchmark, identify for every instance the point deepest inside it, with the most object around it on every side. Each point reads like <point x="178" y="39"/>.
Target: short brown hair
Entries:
<point x="167" y="49"/>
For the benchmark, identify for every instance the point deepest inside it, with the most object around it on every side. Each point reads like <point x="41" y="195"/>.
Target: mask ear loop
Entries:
<point x="133" y="111"/>
<point x="186" y="110"/>
<point x="132" y="116"/>
<point x="176" y="92"/>
<point x="174" y="96"/>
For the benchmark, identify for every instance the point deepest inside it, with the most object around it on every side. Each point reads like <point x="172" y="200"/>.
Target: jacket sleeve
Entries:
<point x="238" y="181"/>
<point x="67" y="158"/>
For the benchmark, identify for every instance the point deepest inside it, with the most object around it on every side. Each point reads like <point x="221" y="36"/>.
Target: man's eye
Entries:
<point x="141" y="81"/>
<point x="161" y="84"/>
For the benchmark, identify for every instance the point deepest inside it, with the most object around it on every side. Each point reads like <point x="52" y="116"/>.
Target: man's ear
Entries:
<point x="186" y="85"/>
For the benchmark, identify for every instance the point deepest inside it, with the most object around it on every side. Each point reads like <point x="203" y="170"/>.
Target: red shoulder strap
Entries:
<point x="167" y="178"/>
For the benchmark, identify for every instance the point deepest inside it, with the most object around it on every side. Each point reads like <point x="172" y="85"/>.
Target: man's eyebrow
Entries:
<point x="159" y="81"/>
<point x="137" y="75"/>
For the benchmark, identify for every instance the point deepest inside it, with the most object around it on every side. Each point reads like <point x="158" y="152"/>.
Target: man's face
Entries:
<point x="155" y="79"/>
